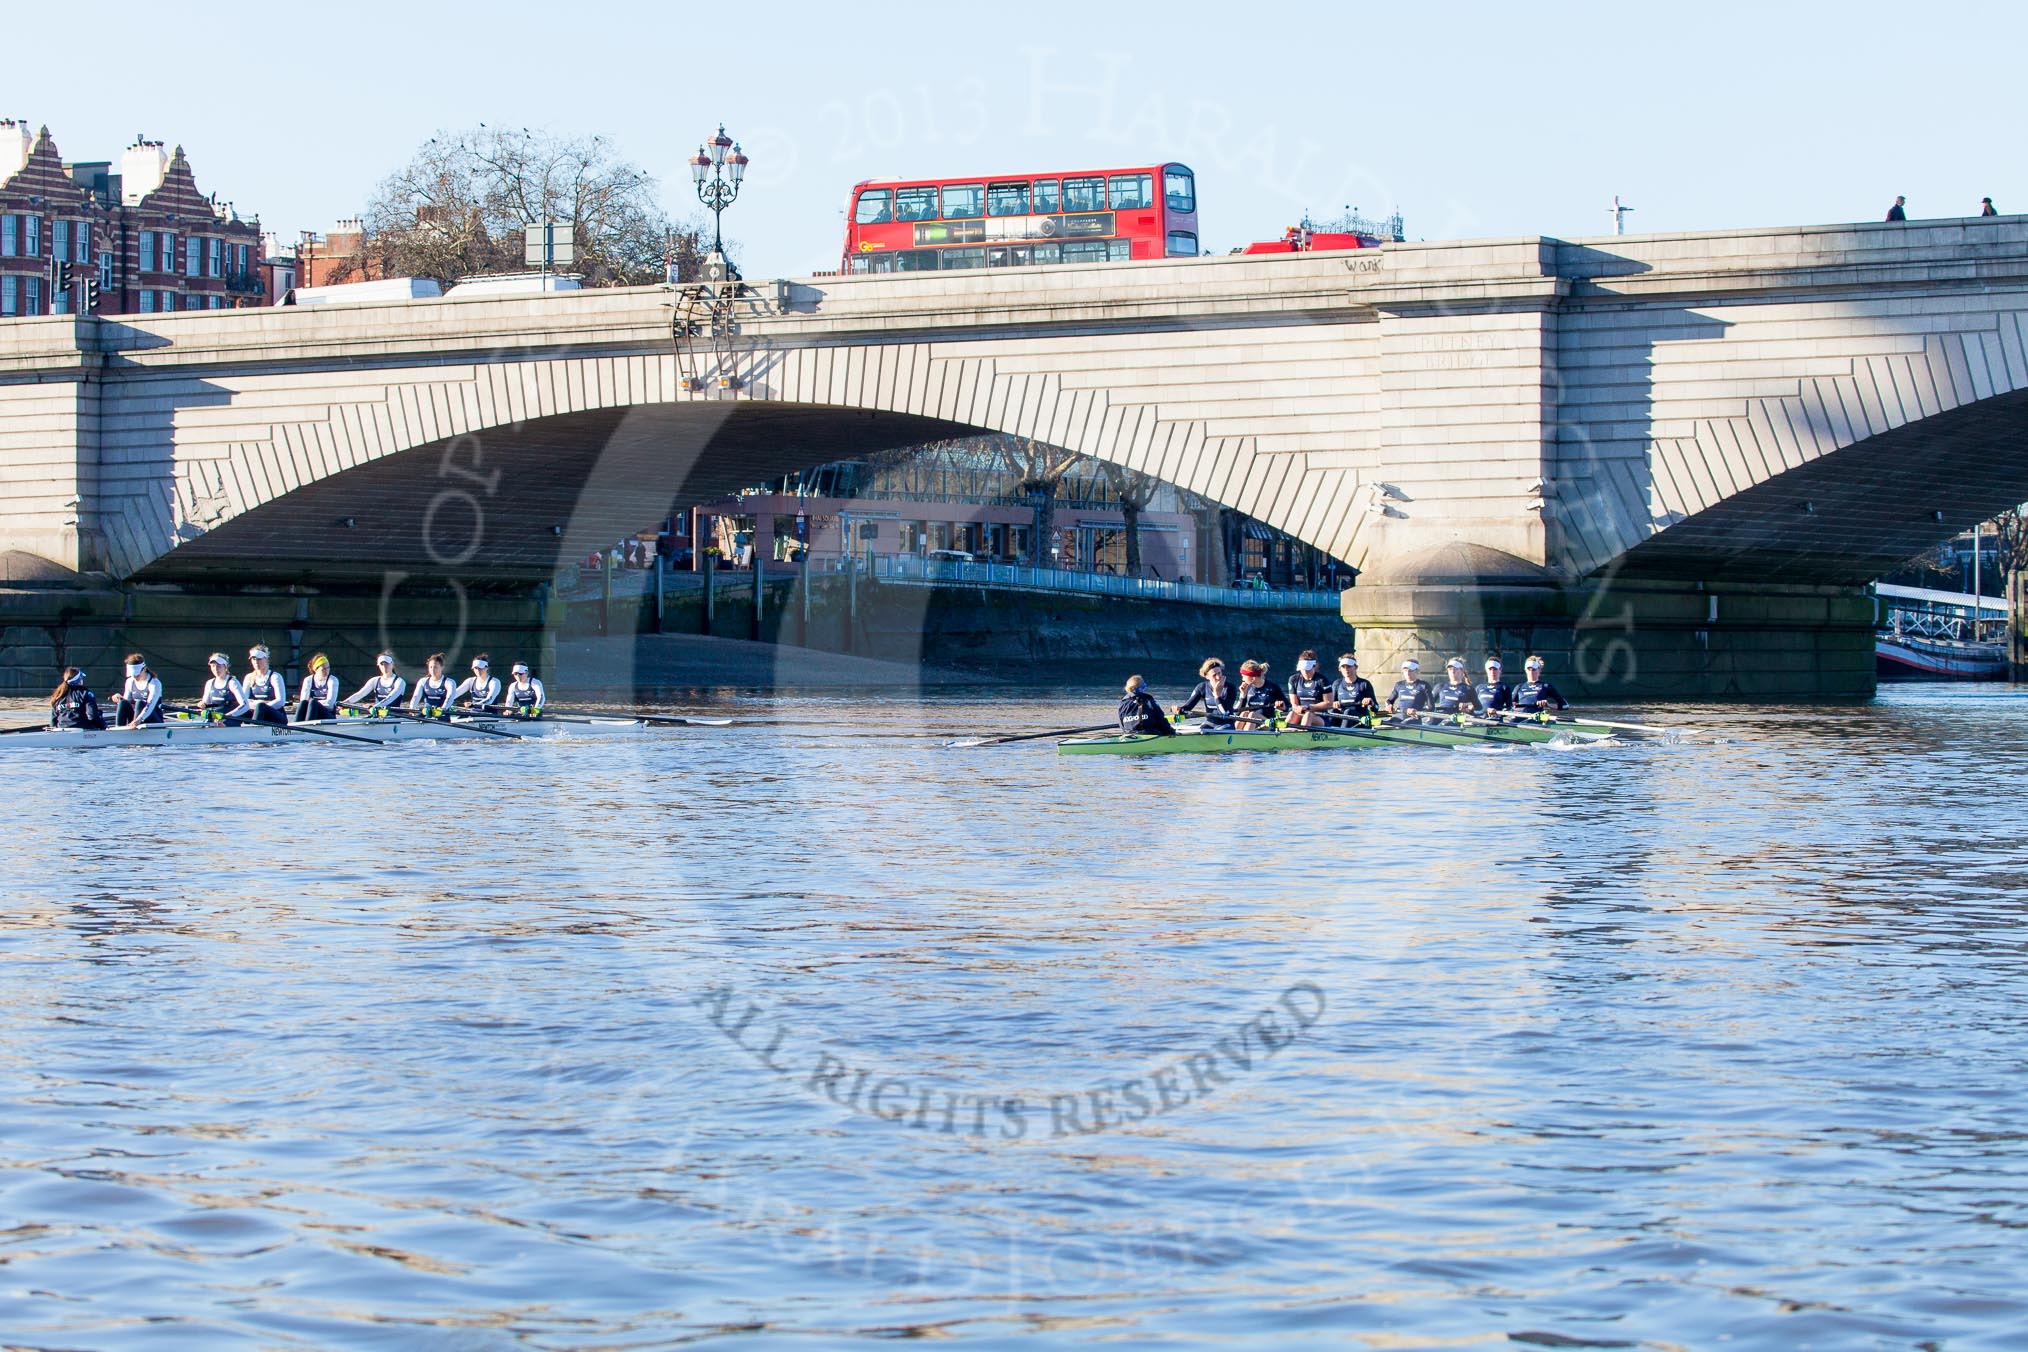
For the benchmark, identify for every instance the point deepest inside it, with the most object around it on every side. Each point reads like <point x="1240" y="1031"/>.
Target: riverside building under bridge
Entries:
<point x="996" y="500"/>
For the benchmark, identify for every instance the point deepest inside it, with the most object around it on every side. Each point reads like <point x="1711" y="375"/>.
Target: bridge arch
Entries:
<point x="1855" y="511"/>
<point x="1825" y="468"/>
<point x="488" y="466"/>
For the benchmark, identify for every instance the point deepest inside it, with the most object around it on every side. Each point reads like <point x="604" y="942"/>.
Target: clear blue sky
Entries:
<point x="1472" y="119"/>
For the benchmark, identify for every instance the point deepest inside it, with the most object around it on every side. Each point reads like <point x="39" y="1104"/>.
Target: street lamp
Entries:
<point x="717" y="169"/>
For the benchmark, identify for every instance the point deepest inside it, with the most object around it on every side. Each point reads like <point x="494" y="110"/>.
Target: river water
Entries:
<point x="817" y="1029"/>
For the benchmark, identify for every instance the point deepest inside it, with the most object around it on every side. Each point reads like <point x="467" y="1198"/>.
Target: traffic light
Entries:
<point x="63" y="272"/>
<point x="91" y="294"/>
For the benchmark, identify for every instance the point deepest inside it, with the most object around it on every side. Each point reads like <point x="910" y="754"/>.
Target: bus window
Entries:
<point x="876" y="207"/>
<point x="1046" y="197"/>
<point x="1119" y="250"/>
<point x="1180" y="189"/>
<point x="1133" y="190"/>
<point x="961" y="258"/>
<point x="1047" y="253"/>
<point x="915" y="204"/>
<point x="964" y="201"/>
<point x="916" y="260"/>
<point x="1085" y="251"/>
<point x="1006" y="199"/>
<point x="1182" y="244"/>
<point x="1084" y="194"/>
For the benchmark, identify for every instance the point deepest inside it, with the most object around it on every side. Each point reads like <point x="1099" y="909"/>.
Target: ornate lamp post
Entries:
<point x="717" y="169"/>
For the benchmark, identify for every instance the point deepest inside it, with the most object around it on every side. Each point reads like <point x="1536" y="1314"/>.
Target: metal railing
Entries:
<point x="907" y="569"/>
<point x="1940" y="616"/>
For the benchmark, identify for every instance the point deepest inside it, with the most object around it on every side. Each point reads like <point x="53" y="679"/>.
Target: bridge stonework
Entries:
<point x="1671" y="461"/>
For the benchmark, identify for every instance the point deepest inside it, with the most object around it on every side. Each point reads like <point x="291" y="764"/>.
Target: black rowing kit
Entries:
<point x="1410" y="697"/>
<point x="1260" y="701"/>
<point x="1305" y="691"/>
<point x="1535" y="696"/>
<point x="78" y="708"/>
<point x="1140" y="713"/>
<point x="1454" y="697"/>
<point x="1354" y="696"/>
<point x="1495" y="695"/>
<point x="323" y="700"/>
<point x="263" y="695"/>
<point x="433" y="694"/>
<point x="1218" y="701"/>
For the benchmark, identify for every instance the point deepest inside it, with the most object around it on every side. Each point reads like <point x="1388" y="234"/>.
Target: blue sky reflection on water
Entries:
<point x="1659" y="1044"/>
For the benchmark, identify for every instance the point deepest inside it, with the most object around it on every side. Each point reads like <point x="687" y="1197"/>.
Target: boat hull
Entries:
<point x="1916" y="660"/>
<point x="195" y="732"/>
<point x="1435" y="732"/>
<point x="1213" y="743"/>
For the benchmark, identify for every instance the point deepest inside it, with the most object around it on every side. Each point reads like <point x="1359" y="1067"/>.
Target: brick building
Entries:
<point x="146" y="235"/>
<point x="337" y="257"/>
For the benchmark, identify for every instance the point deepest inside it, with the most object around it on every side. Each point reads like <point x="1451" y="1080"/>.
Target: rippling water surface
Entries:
<point x="798" y="1032"/>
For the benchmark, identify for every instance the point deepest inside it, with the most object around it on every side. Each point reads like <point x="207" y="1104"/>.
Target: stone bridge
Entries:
<point x="1673" y="461"/>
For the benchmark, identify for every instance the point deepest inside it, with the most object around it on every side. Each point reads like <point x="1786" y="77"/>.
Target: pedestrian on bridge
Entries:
<point x="1986" y="207"/>
<point x="1897" y="212"/>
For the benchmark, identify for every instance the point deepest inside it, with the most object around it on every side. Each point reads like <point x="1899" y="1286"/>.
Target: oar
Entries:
<point x="284" y="727"/>
<point x="1595" y="722"/>
<point x="653" y="720"/>
<point x="1029" y="736"/>
<point x="1500" y="718"/>
<point x="438" y="722"/>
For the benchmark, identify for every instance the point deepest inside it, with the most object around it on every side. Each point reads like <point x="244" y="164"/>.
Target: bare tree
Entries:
<point x="1039" y="472"/>
<point x="1135" y="491"/>
<point x="458" y="208"/>
<point x="2010" y="551"/>
<point x="1224" y="527"/>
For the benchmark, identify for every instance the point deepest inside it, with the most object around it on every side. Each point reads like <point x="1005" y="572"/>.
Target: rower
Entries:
<point x="478" y="693"/>
<point x="1535" y="695"/>
<point x="1259" y="697"/>
<point x="319" y="696"/>
<point x="263" y="697"/>
<point x="1412" y="694"/>
<point x="222" y="692"/>
<point x="1351" y="695"/>
<point x="140" y="698"/>
<point x="1139" y="713"/>
<point x="1455" y="695"/>
<point x="433" y="692"/>
<point x="382" y="692"/>
<point x="1309" y="692"/>
<point x="73" y="705"/>
<point x="1215" y="693"/>
<point x="524" y="694"/>
<point x="1495" y="695"/>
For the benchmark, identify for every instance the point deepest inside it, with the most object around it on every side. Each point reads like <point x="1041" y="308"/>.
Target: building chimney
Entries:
<point x="142" y="166"/>
<point x="15" y="143"/>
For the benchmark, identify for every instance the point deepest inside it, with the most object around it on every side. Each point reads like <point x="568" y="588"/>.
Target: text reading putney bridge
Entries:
<point x="1671" y="461"/>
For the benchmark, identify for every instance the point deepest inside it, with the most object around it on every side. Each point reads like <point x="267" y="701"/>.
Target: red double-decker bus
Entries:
<point x="1022" y="220"/>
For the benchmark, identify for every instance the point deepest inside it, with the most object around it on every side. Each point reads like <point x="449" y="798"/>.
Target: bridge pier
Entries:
<point x="1623" y="638"/>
